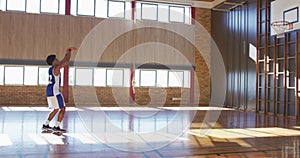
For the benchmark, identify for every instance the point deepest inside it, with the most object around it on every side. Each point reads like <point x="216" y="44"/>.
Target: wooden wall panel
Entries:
<point x="161" y="41"/>
<point x="33" y="37"/>
<point x="30" y="39"/>
<point x="233" y="32"/>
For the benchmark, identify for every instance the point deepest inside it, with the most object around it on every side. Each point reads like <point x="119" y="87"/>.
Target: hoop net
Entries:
<point x="280" y="27"/>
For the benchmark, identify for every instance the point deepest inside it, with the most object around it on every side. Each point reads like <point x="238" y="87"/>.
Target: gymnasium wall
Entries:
<point x="277" y="67"/>
<point x="33" y="37"/>
<point x="29" y="38"/>
<point x="246" y="30"/>
<point x="234" y="32"/>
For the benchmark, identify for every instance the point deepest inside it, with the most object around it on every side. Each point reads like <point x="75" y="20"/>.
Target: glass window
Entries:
<point x="177" y="14"/>
<point x="71" y="76"/>
<point x="50" y="6"/>
<point x="116" y="9"/>
<point x="175" y="78"/>
<point x="14" y="75"/>
<point x="73" y="7"/>
<point x="84" y="76"/>
<point x="31" y="75"/>
<point x="62" y="7"/>
<point x="16" y="5"/>
<point x="33" y="6"/>
<point x="186" y="79"/>
<point x="127" y="77"/>
<point x="148" y="78"/>
<point x="252" y="52"/>
<point x="188" y="16"/>
<point x="43" y="75"/>
<point x="138" y="7"/>
<point x="114" y="77"/>
<point x="86" y="7"/>
<point x="100" y="77"/>
<point x="3" y="5"/>
<point x="162" y="78"/>
<point x="128" y="12"/>
<point x="163" y="13"/>
<point x="149" y="11"/>
<point x="1" y="75"/>
<point x="101" y="8"/>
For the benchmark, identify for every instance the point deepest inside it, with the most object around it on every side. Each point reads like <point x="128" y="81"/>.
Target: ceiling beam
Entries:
<point x="208" y="5"/>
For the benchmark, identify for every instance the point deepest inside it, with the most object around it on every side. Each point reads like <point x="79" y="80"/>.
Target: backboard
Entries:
<point x="285" y="10"/>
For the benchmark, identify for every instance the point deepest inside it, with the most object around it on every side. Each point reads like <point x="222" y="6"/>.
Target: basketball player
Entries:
<point x="54" y="97"/>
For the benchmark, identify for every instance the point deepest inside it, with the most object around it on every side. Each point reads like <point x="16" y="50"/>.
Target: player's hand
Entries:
<point x="71" y="49"/>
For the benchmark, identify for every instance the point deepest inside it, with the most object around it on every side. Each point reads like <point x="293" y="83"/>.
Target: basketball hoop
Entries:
<point x="280" y="27"/>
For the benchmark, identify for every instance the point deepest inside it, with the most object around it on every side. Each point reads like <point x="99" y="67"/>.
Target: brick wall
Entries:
<point x="203" y="17"/>
<point x="22" y="95"/>
<point x="106" y="96"/>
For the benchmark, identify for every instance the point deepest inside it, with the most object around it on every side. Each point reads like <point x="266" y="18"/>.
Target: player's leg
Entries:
<point x="50" y="117"/>
<point x="53" y="104"/>
<point x="61" y="113"/>
<point x="52" y="114"/>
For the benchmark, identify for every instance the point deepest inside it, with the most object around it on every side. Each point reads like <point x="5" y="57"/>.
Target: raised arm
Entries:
<point x="64" y="61"/>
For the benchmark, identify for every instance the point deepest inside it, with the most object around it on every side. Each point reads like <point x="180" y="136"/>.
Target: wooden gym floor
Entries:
<point x="236" y="134"/>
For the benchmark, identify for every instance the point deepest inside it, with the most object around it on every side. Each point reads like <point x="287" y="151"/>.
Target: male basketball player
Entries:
<point x="54" y="97"/>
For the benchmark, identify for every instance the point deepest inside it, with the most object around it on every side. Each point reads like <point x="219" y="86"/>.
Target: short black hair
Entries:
<point x="50" y="59"/>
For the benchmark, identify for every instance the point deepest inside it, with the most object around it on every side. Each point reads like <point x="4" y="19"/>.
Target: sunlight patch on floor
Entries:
<point x="247" y="132"/>
<point x="52" y="139"/>
<point x="38" y="139"/>
<point x="85" y="138"/>
<point x="4" y="140"/>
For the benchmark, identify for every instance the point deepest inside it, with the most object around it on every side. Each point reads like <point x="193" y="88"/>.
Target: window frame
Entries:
<point x="94" y="13"/>
<point x="4" y="81"/>
<point x="58" y="8"/>
<point x="169" y="15"/>
<point x="140" y="77"/>
<point x="124" y="11"/>
<point x="182" y="82"/>
<point x="25" y="7"/>
<point x="83" y="68"/>
<point x="108" y="69"/>
<point x="38" y="8"/>
<point x="75" y="10"/>
<point x="154" y="4"/>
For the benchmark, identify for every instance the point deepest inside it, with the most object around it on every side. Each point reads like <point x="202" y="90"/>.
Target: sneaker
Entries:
<point x="46" y="127"/>
<point x="59" y="129"/>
